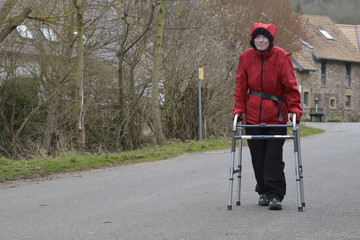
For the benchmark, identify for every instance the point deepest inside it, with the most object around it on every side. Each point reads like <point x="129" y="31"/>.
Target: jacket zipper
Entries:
<point x="261" y="80"/>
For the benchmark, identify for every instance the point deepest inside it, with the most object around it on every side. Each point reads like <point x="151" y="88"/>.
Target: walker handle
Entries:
<point x="294" y="120"/>
<point x="235" y="121"/>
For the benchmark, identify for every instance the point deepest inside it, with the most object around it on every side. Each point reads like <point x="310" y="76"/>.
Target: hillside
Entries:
<point x="340" y="11"/>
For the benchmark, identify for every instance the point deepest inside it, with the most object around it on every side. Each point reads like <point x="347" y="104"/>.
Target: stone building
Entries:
<point x="328" y="71"/>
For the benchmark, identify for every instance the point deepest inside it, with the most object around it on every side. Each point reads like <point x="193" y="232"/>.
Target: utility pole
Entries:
<point x="201" y="77"/>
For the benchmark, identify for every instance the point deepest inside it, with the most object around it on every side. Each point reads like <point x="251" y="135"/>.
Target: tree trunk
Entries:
<point x="80" y="74"/>
<point x="156" y="115"/>
<point x="50" y="124"/>
<point x="121" y="124"/>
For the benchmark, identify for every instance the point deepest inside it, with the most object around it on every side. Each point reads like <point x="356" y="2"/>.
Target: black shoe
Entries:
<point x="263" y="200"/>
<point x="275" y="204"/>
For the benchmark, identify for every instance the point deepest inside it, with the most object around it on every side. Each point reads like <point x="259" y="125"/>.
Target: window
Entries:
<point x="24" y="32"/>
<point x="347" y="101"/>
<point x="49" y="34"/>
<point x="332" y="103"/>
<point x="306" y="99"/>
<point x="326" y="34"/>
<point x="348" y="75"/>
<point x="323" y="73"/>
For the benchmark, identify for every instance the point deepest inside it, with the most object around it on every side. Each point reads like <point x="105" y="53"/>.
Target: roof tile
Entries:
<point x="340" y="49"/>
<point x="352" y="32"/>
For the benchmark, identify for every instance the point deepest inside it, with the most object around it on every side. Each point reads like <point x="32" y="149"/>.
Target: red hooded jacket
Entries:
<point x="270" y="72"/>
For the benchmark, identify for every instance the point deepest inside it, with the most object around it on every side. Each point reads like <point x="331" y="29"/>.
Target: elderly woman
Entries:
<point x="265" y="92"/>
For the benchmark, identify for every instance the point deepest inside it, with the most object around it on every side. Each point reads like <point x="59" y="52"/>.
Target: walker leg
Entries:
<point x="231" y="177"/>
<point x="238" y="203"/>
<point x="231" y="180"/>
<point x="298" y="170"/>
<point x="298" y="183"/>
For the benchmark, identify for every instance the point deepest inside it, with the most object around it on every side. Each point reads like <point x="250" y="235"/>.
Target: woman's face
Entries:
<point x="261" y="43"/>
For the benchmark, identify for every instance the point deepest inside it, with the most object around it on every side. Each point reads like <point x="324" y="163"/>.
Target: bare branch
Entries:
<point x="12" y="25"/>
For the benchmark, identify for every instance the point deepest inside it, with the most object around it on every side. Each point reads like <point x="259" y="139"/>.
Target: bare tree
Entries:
<point x="238" y="16"/>
<point x="135" y="21"/>
<point x="80" y="6"/>
<point x="155" y="79"/>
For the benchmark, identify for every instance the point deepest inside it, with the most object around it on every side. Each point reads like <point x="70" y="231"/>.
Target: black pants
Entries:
<point x="267" y="160"/>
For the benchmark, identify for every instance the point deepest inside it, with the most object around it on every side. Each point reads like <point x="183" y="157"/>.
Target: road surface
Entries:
<point x="186" y="197"/>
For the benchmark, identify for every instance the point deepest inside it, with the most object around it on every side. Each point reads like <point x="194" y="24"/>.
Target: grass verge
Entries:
<point x="41" y="167"/>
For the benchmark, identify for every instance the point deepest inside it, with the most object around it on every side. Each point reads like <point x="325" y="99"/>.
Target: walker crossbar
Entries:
<point x="263" y="125"/>
<point x="237" y="127"/>
<point x="264" y="137"/>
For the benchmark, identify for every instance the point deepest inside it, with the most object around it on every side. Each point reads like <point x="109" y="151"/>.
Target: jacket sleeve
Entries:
<point x="291" y="92"/>
<point x="241" y="87"/>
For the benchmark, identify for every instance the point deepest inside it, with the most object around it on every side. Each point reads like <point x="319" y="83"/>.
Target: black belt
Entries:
<point x="271" y="97"/>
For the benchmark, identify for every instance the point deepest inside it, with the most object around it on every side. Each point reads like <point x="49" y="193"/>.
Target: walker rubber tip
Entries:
<point x="303" y="204"/>
<point x="229" y="208"/>
<point x="238" y="203"/>
<point x="300" y="209"/>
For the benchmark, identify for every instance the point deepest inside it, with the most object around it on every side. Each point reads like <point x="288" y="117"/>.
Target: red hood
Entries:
<point x="270" y="27"/>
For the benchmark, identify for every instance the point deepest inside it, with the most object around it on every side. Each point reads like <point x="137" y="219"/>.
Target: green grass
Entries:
<point x="40" y="167"/>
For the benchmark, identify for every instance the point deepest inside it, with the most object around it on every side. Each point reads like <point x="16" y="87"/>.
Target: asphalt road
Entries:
<point x="186" y="198"/>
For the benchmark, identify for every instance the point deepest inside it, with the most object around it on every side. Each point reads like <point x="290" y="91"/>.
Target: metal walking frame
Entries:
<point x="238" y="127"/>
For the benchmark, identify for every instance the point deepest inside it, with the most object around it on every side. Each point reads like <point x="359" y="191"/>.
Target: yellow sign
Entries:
<point x="201" y="73"/>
